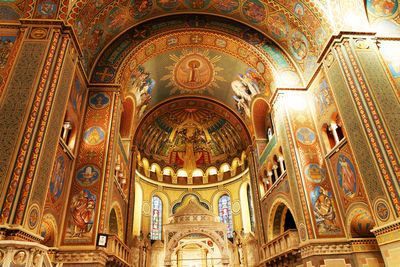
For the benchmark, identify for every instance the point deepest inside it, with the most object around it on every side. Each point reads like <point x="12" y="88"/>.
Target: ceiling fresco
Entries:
<point x="186" y="58"/>
<point x="297" y="27"/>
<point x="195" y="72"/>
<point x="191" y="133"/>
<point x="183" y="32"/>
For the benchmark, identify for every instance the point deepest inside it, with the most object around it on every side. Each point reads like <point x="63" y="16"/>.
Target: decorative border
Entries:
<point x="40" y="134"/>
<point x="22" y="153"/>
<point x="363" y="114"/>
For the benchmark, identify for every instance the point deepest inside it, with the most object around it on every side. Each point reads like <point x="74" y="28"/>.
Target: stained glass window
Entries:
<point x="156" y="218"/>
<point x="225" y="213"/>
<point x="251" y="209"/>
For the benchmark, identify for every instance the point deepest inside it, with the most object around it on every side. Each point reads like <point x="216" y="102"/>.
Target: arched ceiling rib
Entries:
<point x="300" y="28"/>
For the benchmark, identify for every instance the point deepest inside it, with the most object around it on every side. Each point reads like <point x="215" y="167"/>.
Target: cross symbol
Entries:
<point x="105" y="75"/>
<point x="253" y="37"/>
<point x="196" y="39"/>
<point x="140" y="34"/>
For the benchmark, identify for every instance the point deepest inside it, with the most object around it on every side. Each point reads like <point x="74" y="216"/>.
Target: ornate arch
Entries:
<point x="273" y="212"/>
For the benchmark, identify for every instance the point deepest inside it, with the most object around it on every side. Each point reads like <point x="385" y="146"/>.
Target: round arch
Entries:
<point x="115" y="222"/>
<point x="277" y="215"/>
<point x="217" y="238"/>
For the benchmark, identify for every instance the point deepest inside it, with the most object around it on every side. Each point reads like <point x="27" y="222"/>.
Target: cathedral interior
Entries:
<point x="199" y="133"/>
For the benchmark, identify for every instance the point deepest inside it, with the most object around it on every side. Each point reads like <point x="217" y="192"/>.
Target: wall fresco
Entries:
<point x="84" y="203"/>
<point x="316" y="179"/>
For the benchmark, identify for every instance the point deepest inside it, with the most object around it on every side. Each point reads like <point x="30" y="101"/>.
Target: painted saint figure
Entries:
<point x="324" y="208"/>
<point x="347" y="175"/>
<point x="82" y="209"/>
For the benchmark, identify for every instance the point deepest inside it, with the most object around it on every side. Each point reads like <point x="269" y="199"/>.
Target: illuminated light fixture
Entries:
<point x="167" y="172"/>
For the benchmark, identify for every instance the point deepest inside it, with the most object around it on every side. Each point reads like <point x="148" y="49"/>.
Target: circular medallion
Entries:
<point x="362" y="44"/>
<point x="197" y="4"/>
<point x="193" y="72"/>
<point x="305" y="136"/>
<point x="382" y="210"/>
<point x="116" y="18"/>
<point x="33" y="217"/>
<point x="253" y="37"/>
<point x="88" y="175"/>
<point x="167" y="5"/>
<point x="243" y="52"/>
<point x="315" y="173"/>
<point x="382" y="8"/>
<point x="278" y="25"/>
<point x="38" y="33"/>
<point x="146" y="208"/>
<point x="140" y="8"/>
<point x="299" y="9"/>
<point x="171" y="41"/>
<point x="320" y="36"/>
<point x="95" y="38"/>
<point x="220" y="42"/>
<point x="94" y="135"/>
<point x="254" y="11"/>
<point x="227" y="6"/>
<point x="19" y="257"/>
<point x="299" y="45"/>
<point x="260" y="67"/>
<point x="236" y="206"/>
<point x="99" y="101"/>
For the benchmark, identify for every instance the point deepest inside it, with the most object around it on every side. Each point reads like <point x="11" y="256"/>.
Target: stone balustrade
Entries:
<point x="117" y="250"/>
<point x="285" y="244"/>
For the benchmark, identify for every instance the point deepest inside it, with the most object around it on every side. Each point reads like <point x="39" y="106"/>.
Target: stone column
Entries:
<point x="31" y="117"/>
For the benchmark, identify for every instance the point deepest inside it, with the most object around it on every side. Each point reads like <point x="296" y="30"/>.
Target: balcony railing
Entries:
<point x="117" y="250"/>
<point x="285" y="244"/>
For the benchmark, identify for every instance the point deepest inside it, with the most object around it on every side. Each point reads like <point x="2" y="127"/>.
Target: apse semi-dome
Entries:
<point x="191" y="136"/>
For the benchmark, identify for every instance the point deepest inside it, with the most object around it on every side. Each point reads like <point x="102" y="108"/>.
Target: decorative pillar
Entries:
<point x="31" y="117"/>
<point x="367" y="106"/>
<point x="333" y="128"/>
<point x="204" y="252"/>
<point x="94" y="170"/>
<point x="281" y="165"/>
<point x="256" y="196"/>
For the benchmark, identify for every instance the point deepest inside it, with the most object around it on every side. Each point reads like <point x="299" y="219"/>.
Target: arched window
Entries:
<point x="251" y="209"/>
<point x="156" y="218"/>
<point x="225" y="213"/>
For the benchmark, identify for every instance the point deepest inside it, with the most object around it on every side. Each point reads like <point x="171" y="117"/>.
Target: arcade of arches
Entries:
<point x="152" y="133"/>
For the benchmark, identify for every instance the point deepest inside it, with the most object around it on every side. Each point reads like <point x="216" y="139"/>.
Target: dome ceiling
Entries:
<point x="191" y="133"/>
